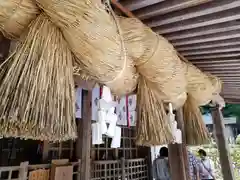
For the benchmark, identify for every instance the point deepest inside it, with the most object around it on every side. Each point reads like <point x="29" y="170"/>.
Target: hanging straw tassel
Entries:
<point x="15" y="16"/>
<point x="195" y="129"/>
<point x="153" y="127"/>
<point x="37" y="88"/>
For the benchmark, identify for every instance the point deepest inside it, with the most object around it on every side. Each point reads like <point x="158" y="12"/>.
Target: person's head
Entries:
<point x="202" y="153"/>
<point x="163" y="152"/>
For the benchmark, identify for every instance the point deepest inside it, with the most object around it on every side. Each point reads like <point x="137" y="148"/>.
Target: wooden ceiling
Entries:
<point x="206" y="32"/>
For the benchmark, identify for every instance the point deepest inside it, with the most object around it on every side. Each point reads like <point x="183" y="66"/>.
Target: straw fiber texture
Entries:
<point x="153" y="126"/>
<point x="216" y="82"/>
<point x="195" y="128"/>
<point x="200" y="87"/>
<point x="15" y="16"/>
<point x="37" y="88"/>
<point x="94" y="36"/>
<point x="157" y="60"/>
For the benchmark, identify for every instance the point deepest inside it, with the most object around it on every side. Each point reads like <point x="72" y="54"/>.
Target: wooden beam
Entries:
<point x="233" y="95"/>
<point x="227" y="77"/>
<point x="45" y="151"/>
<point x="233" y="69"/>
<point x="208" y="45"/>
<point x="231" y="84"/>
<point x="212" y="51"/>
<point x="86" y="137"/>
<point x="178" y="153"/>
<point x="216" y="28"/>
<point x="167" y="7"/>
<point x="208" y="38"/>
<point x="217" y="66"/>
<point x="134" y="5"/>
<point x="231" y="90"/>
<point x="232" y="101"/>
<point x="79" y="141"/>
<point x="216" y="18"/>
<point x="122" y="9"/>
<point x="230" y="96"/>
<point x="224" y="71"/>
<point x="231" y="77"/>
<point x="225" y="158"/>
<point x="215" y="61"/>
<point x="230" y="80"/>
<point x="223" y="55"/>
<point x="194" y="12"/>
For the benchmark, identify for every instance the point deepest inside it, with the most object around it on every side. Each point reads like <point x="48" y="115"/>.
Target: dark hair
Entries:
<point x="163" y="152"/>
<point x="202" y="152"/>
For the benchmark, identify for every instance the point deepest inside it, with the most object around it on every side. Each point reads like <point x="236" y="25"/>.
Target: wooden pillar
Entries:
<point x="45" y="151"/>
<point x="178" y="158"/>
<point x="86" y="136"/>
<point x="79" y="143"/>
<point x="225" y="158"/>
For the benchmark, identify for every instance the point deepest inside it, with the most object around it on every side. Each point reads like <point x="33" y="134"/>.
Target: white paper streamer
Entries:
<point x="106" y="94"/>
<point x="132" y="116"/>
<point x="96" y="134"/>
<point x="95" y="98"/>
<point x="177" y="134"/>
<point x="121" y="112"/>
<point x="102" y="121"/>
<point x="112" y="126"/>
<point x="116" y="140"/>
<point x="132" y="102"/>
<point x="78" y="103"/>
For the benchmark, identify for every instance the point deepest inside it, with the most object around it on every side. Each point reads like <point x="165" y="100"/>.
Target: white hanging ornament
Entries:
<point x="106" y="94"/>
<point x="116" y="140"/>
<point x="112" y="125"/>
<point x="106" y="114"/>
<point x="96" y="134"/>
<point x="177" y="133"/>
<point x="102" y="121"/>
<point x="102" y="104"/>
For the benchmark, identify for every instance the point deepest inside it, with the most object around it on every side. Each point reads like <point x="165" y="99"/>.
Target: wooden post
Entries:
<point x="79" y="170"/>
<point x="45" y="151"/>
<point x="178" y="158"/>
<point x="225" y="158"/>
<point x="123" y="168"/>
<point x="86" y="136"/>
<point x="79" y="139"/>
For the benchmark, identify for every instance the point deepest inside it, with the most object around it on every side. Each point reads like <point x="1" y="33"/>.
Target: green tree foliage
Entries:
<point x="228" y="111"/>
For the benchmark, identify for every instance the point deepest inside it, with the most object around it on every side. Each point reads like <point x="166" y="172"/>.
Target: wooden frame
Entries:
<point x="127" y="150"/>
<point x="21" y="172"/>
<point x="131" y="169"/>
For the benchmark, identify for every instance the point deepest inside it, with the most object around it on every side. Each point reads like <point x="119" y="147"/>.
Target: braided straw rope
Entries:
<point x="15" y="16"/>
<point x="216" y="82"/>
<point x="94" y="37"/>
<point x="157" y="60"/>
<point x="201" y="86"/>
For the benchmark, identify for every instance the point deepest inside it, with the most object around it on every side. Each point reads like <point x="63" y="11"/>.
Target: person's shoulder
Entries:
<point x="210" y="161"/>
